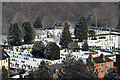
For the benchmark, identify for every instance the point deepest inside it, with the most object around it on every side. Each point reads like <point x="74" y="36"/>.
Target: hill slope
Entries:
<point x="50" y="12"/>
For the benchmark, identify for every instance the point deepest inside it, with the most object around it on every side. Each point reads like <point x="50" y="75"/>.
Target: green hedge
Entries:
<point x="111" y="55"/>
<point x="98" y="35"/>
<point x="93" y="53"/>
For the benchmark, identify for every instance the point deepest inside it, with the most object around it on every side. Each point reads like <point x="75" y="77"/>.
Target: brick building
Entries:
<point x="101" y="64"/>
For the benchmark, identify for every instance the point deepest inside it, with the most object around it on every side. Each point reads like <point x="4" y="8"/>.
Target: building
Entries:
<point x="4" y="59"/>
<point x="101" y="64"/>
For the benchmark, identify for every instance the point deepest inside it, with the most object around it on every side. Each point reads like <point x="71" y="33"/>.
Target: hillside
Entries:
<point x="107" y="13"/>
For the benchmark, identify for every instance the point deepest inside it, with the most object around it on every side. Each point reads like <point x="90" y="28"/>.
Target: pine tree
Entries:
<point x="29" y="32"/>
<point x="52" y="51"/>
<point x="38" y="49"/>
<point x="65" y="38"/>
<point x="43" y="71"/>
<point x="85" y="46"/>
<point x="15" y="35"/>
<point x="81" y="29"/>
<point x="37" y="22"/>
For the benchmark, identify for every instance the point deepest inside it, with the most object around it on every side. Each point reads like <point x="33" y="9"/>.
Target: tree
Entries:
<point x="92" y="33"/>
<point x="4" y="73"/>
<point x="29" y="32"/>
<point x="85" y="46"/>
<point x="73" y="45"/>
<point x="81" y="29"/>
<point x="15" y="34"/>
<point x="76" y="69"/>
<point x="65" y="38"/>
<point x="111" y="75"/>
<point x="37" y="22"/>
<point x="52" y="51"/>
<point x="42" y="72"/>
<point x="38" y="49"/>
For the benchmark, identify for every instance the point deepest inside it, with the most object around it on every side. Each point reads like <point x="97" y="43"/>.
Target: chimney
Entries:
<point x="91" y="57"/>
<point x="102" y="56"/>
<point x="118" y="63"/>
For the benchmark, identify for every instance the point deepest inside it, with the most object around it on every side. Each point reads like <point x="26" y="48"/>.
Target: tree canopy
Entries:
<point x="85" y="46"/>
<point x="38" y="49"/>
<point x="65" y="38"/>
<point x="15" y="34"/>
<point x="29" y="32"/>
<point x="52" y="51"/>
<point x="81" y="29"/>
<point x="37" y="22"/>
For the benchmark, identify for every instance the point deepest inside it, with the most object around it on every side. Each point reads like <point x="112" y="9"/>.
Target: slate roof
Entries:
<point x="3" y="55"/>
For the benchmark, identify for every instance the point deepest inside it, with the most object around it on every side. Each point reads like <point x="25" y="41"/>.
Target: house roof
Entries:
<point x="100" y="60"/>
<point x="3" y="55"/>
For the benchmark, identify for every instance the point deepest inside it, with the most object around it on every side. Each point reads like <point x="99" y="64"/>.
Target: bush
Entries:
<point x="94" y="53"/>
<point x="111" y="55"/>
<point x="61" y="48"/>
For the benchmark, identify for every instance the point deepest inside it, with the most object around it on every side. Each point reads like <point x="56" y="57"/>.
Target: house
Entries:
<point x="101" y="64"/>
<point x="4" y="59"/>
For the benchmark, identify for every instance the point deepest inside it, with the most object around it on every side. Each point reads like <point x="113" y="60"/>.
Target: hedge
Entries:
<point x="111" y="55"/>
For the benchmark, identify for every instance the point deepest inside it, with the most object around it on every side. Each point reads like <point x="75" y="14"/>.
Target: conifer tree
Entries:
<point x="15" y="34"/>
<point x="37" y="22"/>
<point x="29" y="32"/>
<point x="38" y="49"/>
<point x="65" y="38"/>
<point x="85" y="46"/>
<point x="52" y="51"/>
<point x="81" y="29"/>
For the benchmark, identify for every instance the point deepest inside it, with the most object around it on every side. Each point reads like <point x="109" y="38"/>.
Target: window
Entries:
<point x="98" y="72"/>
<point x="108" y="64"/>
<point x="102" y="71"/>
<point x="102" y="65"/>
<point x="98" y="65"/>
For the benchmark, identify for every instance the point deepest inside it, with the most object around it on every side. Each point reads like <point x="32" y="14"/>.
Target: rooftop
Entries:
<point x="3" y="54"/>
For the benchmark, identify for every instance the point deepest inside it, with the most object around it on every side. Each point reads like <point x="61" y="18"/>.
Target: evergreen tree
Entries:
<point x="65" y="38"/>
<point x="29" y="32"/>
<point x="37" y="22"/>
<point x="43" y="71"/>
<point x="52" y="51"/>
<point x="4" y="73"/>
<point x="15" y="35"/>
<point x="81" y="29"/>
<point x="85" y="46"/>
<point x="38" y="49"/>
